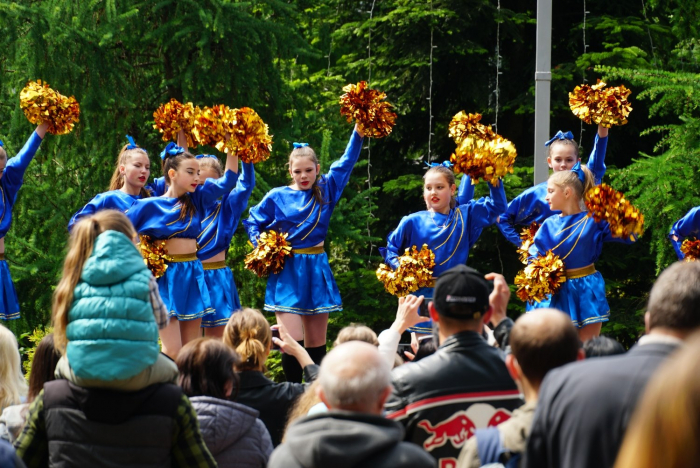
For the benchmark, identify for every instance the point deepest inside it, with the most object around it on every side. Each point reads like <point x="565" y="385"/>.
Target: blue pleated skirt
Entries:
<point x="305" y="286"/>
<point x="9" y="307"/>
<point x="583" y="299"/>
<point x="184" y="290"/>
<point x="223" y="295"/>
<point x="423" y="328"/>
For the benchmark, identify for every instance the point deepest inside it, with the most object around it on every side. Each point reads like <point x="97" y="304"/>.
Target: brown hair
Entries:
<point x="302" y="405"/>
<point x="173" y="162"/>
<point x="248" y="332"/>
<point x="449" y="177"/>
<point x="3" y="153"/>
<point x="125" y="154"/>
<point x="571" y="143"/>
<point x="80" y="246"/>
<point x="206" y="365"/>
<point x="674" y="300"/>
<point x="210" y="162"/>
<point x="308" y="152"/>
<point x="665" y="427"/>
<point x="43" y="366"/>
<point x="570" y="179"/>
<point x="355" y="332"/>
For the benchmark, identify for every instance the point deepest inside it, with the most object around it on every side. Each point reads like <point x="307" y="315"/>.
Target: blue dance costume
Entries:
<point x="450" y="236"/>
<point x="112" y="200"/>
<point x="531" y="206"/>
<point x="578" y="240"/>
<point x="687" y="226"/>
<point x="218" y="227"/>
<point x="11" y="182"/>
<point x="305" y="286"/>
<point x="182" y="287"/>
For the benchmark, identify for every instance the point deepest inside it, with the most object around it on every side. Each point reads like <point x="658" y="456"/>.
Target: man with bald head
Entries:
<point x="540" y="341"/>
<point x="354" y="382"/>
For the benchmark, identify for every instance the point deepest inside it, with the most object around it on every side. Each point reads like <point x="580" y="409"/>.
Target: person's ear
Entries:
<point x="171" y="173"/>
<point x="383" y="397"/>
<point x="318" y="169"/>
<point x="581" y="355"/>
<point x="488" y="314"/>
<point x="549" y="162"/>
<point x="322" y="396"/>
<point x="434" y="316"/>
<point x="647" y="322"/>
<point x="513" y="367"/>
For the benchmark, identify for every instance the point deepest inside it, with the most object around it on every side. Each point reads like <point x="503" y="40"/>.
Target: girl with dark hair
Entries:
<point x="232" y="432"/>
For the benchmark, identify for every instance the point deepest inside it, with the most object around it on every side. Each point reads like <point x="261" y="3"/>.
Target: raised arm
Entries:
<point x="485" y="211"/>
<point x="596" y="161"/>
<point x="688" y="225"/>
<point x="16" y="166"/>
<point x="339" y="172"/>
<point x="238" y="200"/>
<point x="213" y="189"/>
<point x="465" y="193"/>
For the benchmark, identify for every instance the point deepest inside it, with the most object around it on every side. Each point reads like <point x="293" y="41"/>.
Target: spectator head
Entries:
<point x="460" y="300"/>
<point x="539" y="342"/>
<point x="249" y="334"/>
<point x="674" y="301"/>
<point x="206" y="368"/>
<point x="46" y="357"/>
<point x="354" y="377"/>
<point x="665" y="427"/>
<point x="355" y="332"/>
<point x="602" y="346"/>
<point x="12" y="383"/>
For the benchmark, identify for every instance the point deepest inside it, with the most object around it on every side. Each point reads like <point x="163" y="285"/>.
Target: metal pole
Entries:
<point x="543" y="79"/>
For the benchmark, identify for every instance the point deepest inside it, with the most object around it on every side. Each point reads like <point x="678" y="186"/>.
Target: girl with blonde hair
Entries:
<point x="13" y="387"/>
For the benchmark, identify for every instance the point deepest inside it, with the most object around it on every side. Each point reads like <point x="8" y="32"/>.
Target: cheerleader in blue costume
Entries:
<point x="11" y="178"/>
<point x="304" y="292"/>
<point x="127" y="185"/>
<point x="530" y="206"/>
<point x="450" y="226"/>
<point x="176" y="218"/>
<point x="218" y="226"/>
<point x="687" y="226"/>
<point x="578" y="240"/>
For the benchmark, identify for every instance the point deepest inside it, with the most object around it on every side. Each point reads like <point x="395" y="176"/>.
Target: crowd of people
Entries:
<point x="155" y="366"/>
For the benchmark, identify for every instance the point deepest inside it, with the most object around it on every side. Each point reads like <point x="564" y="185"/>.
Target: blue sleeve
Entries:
<point x="15" y="167"/>
<point x="213" y="189"/>
<point x="596" y="161"/>
<point x="339" y="172"/>
<point x="465" y="193"/>
<point x="135" y="214"/>
<point x="687" y="226"/>
<point x="259" y="218"/>
<point x="238" y="200"/>
<point x="485" y="211"/>
<point x="508" y="220"/>
<point x="608" y="236"/>
<point x="158" y="187"/>
<point x="92" y="207"/>
<point x="396" y="244"/>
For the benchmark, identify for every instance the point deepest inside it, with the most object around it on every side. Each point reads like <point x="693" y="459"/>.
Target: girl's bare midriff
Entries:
<point x="181" y="246"/>
<point x="2" y="245"/>
<point x="220" y="257"/>
<point x="320" y="244"/>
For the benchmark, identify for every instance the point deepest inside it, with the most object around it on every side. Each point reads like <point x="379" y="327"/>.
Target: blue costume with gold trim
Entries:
<point x="450" y="236"/>
<point x="578" y="240"/>
<point x="182" y="287"/>
<point x="306" y="285"/>
<point x="218" y="227"/>
<point x="687" y="226"/>
<point x="11" y="182"/>
<point x="112" y="200"/>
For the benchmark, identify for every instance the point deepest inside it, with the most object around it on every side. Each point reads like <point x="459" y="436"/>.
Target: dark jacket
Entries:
<point x="341" y="439"/>
<point x="442" y="399"/>
<point x="272" y="400"/>
<point x="583" y="408"/>
<point x="233" y="433"/>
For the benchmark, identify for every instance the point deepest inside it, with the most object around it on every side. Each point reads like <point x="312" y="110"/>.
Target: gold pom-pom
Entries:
<point x="41" y="104"/>
<point x="527" y="236"/>
<point x="249" y="136"/>
<point x="542" y="276"/>
<point x="691" y="249"/>
<point x="600" y="105"/>
<point x="174" y="116"/>
<point x="489" y="160"/>
<point x="154" y="255"/>
<point x="415" y="271"/>
<point x="270" y="254"/>
<point x="605" y="203"/>
<point x="212" y="124"/>
<point x="464" y="125"/>
<point x="368" y="108"/>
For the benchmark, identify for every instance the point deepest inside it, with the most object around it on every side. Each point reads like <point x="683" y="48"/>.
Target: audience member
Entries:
<point x="406" y="317"/>
<point x="602" y="346"/>
<point x="248" y="333"/>
<point x="354" y="383"/>
<point x="13" y="387"/>
<point x="665" y="428"/>
<point x="8" y="457"/>
<point x="355" y="332"/>
<point x="584" y="408"/>
<point x="540" y="342"/>
<point x="233" y="433"/>
<point x="465" y="385"/>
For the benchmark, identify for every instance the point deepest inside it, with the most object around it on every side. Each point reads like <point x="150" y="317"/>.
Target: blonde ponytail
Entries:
<point x="570" y="179"/>
<point x="248" y="332"/>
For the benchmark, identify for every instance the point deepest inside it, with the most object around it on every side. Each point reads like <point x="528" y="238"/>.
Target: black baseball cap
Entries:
<point x="462" y="286"/>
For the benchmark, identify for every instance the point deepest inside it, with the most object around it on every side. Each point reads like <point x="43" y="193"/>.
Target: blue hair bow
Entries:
<point x="299" y="145"/>
<point x="202" y="156"/>
<point x="2" y="145"/>
<point x="171" y="150"/>
<point x="579" y="172"/>
<point x="132" y="144"/>
<point x="446" y="164"/>
<point x="560" y="136"/>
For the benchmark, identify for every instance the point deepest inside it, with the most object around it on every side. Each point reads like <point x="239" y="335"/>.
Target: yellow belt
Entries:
<point x="214" y="265"/>
<point x="580" y="272"/>
<point x="309" y="250"/>
<point x="177" y="258"/>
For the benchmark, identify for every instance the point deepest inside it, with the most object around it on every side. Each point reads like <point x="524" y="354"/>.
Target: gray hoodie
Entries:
<point x="232" y="432"/>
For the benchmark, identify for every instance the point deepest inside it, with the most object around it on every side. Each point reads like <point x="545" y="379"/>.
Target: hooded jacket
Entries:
<point x="233" y="433"/>
<point x="342" y="439"/>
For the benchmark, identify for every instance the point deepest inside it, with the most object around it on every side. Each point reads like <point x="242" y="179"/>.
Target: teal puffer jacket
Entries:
<point x="112" y="333"/>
